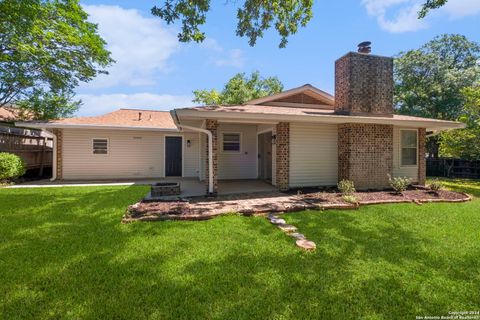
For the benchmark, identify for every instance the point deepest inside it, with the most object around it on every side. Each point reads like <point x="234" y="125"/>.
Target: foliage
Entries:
<point x="399" y="184"/>
<point x="47" y="47"/>
<point x="350" y="198"/>
<point x="11" y="166"/>
<point x="346" y="187"/>
<point x="436" y="185"/>
<point x="240" y="89"/>
<point x="254" y="17"/>
<point x="65" y="254"/>
<point x="429" y="5"/>
<point x="464" y="143"/>
<point x="429" y="80"/>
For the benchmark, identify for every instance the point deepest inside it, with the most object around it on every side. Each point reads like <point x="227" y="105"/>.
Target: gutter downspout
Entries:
<point x="54" y="157"/>
<point x="210" y="147"/>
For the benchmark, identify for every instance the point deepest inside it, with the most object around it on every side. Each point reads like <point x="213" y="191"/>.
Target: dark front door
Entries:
<point x="173" y="156"/>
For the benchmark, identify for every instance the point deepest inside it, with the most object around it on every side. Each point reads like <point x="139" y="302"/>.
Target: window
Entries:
<point x="100" y="146"/>
<point x="408" y="141"/>
<point x="231" y="142"/>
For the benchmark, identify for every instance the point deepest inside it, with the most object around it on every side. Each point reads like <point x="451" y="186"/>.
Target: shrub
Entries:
<point x="436" y="185"/>
<point x="350" y="199"/>
<point x="399" y="184"/>
<point x="346" y="187"/>
<point x="11" y="166"/>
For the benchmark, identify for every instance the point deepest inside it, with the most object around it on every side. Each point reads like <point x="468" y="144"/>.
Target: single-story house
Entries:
<point x="303" y="137"/>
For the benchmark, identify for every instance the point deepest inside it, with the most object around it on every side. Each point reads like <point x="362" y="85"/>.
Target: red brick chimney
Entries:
<point x="364" y="83"/>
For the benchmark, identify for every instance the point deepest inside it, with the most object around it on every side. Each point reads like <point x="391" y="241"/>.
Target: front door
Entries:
<point x="173" y="156"/>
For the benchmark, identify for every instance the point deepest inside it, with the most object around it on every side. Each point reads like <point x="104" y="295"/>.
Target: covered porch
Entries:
<point x="190" y="187"/>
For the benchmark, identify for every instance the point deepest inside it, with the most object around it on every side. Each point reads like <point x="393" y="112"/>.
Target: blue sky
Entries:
<point x="155" y="71"/>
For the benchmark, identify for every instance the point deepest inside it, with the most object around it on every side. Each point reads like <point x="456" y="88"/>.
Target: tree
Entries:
<point x="430" y="5"/>
<point x="429" y="80"/>
<point x="254" y="17"/>
<point x="47" y="47"/>
<point x="465" y="143"/>
<point x="240" y="89"/>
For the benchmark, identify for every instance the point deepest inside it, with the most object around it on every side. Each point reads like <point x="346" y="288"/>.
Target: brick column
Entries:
<point x="212" y="125"/>
<point x="59" y="148"/>
<point x="365" y="154"/>
<point x="422" y="165"/>
<point x="282" y="145"/>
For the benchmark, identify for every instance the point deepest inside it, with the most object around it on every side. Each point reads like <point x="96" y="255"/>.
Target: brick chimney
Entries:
<point x="364" y="84"/>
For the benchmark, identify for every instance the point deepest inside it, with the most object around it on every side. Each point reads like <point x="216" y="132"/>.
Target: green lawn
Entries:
<point x="65" y="255"/>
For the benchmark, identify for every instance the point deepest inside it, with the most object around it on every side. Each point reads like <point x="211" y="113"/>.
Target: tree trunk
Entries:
<point x="433" y="146"/>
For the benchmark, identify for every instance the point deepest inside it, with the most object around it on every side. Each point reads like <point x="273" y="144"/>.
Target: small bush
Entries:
<point x="399" y="184"/>
<point x="436" y="185"/>
<point x="350" y="199"/>
<point x="11" y="166"/>
<point x="346" y="187"/>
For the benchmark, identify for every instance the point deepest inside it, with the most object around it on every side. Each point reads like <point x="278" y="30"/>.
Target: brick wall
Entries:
<point x="282" y="145"/>
<point x="212" y="126"/>
<point x="422" y="167"/>
<point x="365" y="154"/>
<point x="59" y="148"/>
<point x="364" y="85"/>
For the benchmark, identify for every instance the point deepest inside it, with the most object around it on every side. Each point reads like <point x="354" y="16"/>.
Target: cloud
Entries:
<point x="235" y="59"/>
<point x="141" y="46"/>
<point x="396" y="15"/>
<point x="402" y="15"/>
<point x="103" y="103"/>
<point x="462" y="8"/>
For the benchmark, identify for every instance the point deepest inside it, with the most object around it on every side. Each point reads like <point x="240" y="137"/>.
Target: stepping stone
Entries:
<point x="306" y="244"/>
<point x="297" y="236"/>
<point x="272" y="216"/>
<point x="287" y="227"/>
<point x="277" y="221"/>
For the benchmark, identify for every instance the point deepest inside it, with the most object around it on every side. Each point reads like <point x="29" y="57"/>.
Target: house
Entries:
<point x="301" y="137"/>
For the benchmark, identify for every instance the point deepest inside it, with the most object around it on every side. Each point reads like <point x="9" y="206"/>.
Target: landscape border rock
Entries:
<point x="261" y="204"/>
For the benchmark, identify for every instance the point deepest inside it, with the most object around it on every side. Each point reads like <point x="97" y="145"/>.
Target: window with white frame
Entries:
<point x="100" y="146"/>
<point x="408" y="147"/>
<point x="231" y="142"/>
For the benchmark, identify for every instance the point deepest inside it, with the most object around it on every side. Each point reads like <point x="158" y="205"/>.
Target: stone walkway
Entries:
<point x="291" y="230"/>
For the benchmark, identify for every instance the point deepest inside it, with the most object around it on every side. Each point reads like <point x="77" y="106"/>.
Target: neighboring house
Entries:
<point x="298" y="138"/>
<point x="34" y="146"/>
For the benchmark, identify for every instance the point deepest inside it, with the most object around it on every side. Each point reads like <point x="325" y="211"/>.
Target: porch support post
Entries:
<point x="212" y="125"/>
<point x="282" y="146"/>
<point x="422" y="165"/>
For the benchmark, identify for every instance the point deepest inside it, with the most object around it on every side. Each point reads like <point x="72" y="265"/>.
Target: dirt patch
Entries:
<point x="261" y="203"/>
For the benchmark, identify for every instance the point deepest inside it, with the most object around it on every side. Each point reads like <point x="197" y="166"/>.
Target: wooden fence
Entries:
<point x="453" y="168"/>
<point x="36" y="151"/>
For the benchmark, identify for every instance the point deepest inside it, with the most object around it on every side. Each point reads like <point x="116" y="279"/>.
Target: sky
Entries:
<point x="155" y="71"/>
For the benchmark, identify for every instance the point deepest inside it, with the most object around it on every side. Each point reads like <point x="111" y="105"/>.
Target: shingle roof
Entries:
<point x="124" y="117"/>
<point x="9" y="114"/>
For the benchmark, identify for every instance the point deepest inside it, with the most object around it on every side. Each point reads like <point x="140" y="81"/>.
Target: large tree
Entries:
<point x="47" y="47"/>
<point x="465" y="143"/>
<point x="239" y="89"/>
<point x="429" y="80"/>
<point x="254" y="17"/>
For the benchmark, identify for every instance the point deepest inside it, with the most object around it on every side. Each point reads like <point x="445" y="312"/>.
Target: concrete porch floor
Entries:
<point x="191" y="187"/>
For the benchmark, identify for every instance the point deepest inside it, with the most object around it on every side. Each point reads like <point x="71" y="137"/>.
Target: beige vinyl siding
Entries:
<point x="191" y="160"/>
<point x="131" y="154"/>
<point x="313" y="154"/>
<point x="238" y="165"/>
<point x="398" y="170"/>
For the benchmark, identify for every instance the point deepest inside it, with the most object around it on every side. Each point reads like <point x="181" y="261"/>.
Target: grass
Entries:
<point x="65" y="255"/>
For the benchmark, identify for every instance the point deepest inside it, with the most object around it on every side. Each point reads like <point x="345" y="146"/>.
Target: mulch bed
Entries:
<point x="262" y="203"/>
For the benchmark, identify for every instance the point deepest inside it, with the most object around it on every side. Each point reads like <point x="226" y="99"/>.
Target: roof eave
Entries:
<point x="334" y="119"/>
<point x="48" y="125"/>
